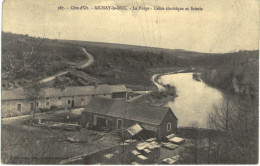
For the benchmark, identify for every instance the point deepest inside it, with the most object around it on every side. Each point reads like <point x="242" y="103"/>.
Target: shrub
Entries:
<point x="54" y="108"/>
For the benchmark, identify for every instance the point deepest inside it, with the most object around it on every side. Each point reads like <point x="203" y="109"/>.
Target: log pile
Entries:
<point x="59" y="126"/>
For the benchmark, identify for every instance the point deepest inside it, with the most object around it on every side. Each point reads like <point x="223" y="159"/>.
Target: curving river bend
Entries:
<point x="195" y="99"/>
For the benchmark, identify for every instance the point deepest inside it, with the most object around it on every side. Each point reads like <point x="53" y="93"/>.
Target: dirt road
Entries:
<point x="90" y="59"/>
<point x="86" y="64"/>
<point x="10" y="120"/>
<point x="159" y="86"/>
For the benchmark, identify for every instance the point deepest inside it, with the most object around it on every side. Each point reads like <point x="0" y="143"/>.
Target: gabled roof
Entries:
<point x="126" y="110"/>
<point x="68" y="91"/>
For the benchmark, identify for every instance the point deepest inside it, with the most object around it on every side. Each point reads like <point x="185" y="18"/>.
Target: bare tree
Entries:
<point x="191" y="153"/>
<point x="238" y="123"/>
<point x="33" y="92"/>
<point x="196" y="141"/>
<point x="27" y="59"/>
<point x="222" y="115"/>
<point x="221" y="119"/>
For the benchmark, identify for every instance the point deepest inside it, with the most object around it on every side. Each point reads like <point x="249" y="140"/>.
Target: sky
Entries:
<point x="222" y="25"/>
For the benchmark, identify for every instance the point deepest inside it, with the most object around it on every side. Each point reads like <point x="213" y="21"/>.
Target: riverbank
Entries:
<point x="157" y="77"/>
<point x="195" y="99"/>
<point x="158" y="98"/>
<point x="164" y="93"/>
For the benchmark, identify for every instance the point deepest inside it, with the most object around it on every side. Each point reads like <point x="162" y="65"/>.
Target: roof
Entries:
<point x="68" y="91"/>
<point x="132" y="111"/>
<point x="135" y="129"/>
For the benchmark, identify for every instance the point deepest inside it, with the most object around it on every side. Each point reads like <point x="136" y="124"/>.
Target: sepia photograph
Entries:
<point x="129" y="82"/>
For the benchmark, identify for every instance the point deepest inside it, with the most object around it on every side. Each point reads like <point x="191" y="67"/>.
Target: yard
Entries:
<point x="26" y="144"/>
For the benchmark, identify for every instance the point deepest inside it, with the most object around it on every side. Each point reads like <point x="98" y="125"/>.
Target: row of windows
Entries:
<point x="72" y="97"/>
<point x="19" y="106"/>
<point x="82" y="100"/>
<point x="48" y="103"/>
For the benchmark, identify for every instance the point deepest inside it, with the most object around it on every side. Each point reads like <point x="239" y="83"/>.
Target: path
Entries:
<point x="86" y="64"/>
<point x="39" y="115"/>
<point x="90" y="59"/>
<point x="159" y="86"/>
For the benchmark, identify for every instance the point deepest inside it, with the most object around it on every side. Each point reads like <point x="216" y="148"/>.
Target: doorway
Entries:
<point x="82" y="102"/>
<point x="31" y="107"/>
<point x="101" y="122"/>
<point x="72" y="103"/>
<point x="119" y="124"/>
<point x="19" y="107"/>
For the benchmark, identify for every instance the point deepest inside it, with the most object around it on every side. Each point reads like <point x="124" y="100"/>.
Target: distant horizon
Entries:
<point x="222" y="26"/>
<point x="181" y="49"/>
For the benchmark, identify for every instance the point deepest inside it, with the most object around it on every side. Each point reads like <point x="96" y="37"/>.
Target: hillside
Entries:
<point x="116" y="63"/>
<point x="239" y="73"/>
<point x="134" y="48"/>
<point x="27" y="58"/>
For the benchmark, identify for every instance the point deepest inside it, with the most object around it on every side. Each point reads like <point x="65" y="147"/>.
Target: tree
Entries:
<point x="26" y="60"/>
<point x="221" y="120"/>
<point x="195" y="147"/>
<point x="196" y="141"/>
<point x="33" y="92"/>
<point x="222" y="116"/>
<point x="238" y="123"/>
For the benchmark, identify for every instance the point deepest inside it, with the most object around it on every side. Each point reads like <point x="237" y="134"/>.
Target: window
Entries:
<point x="37" y="104"/>
<point x="104" y="94"/>
<point x="82" y="101"/>
<point x="59" y="97"/>
<point x="47" y="101"/>
<point x="169" y="126"/>
<point x="31" y="107"/>
<point x="68" y="101"/>
<point x="119" y="124"/>
<point x="92" y="95"/>
<point x="19" y="107"/>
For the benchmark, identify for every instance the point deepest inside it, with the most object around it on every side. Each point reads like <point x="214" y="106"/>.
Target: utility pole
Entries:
<point x="122" y="158"/>
<point x="209" y="142"/>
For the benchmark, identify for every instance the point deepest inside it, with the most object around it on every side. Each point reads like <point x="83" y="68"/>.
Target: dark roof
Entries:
<point x="126" y="110"/>
<point x="68" y="91"/>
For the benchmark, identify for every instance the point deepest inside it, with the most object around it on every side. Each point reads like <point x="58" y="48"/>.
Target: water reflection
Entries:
<point x="195" y="99"/>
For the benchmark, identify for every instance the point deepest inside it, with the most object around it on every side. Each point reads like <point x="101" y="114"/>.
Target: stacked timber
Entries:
<point x="59" y="126"/>
<point x="150" y="150"/>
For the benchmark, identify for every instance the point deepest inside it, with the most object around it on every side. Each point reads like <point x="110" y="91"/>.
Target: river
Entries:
<point x="195" y="99"/>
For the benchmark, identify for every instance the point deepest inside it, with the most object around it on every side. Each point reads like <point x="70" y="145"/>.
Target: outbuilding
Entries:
<point x="15" y="102"/>
<point x="117" y="115"/>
